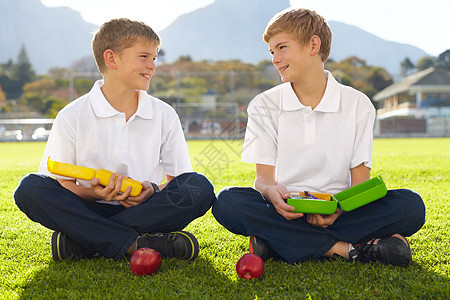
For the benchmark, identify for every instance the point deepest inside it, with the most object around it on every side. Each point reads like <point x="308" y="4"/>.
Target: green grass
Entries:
<point x="27" y="270"/>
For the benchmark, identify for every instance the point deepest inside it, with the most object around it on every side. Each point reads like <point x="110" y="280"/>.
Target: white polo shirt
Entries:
<point x="312" y="150"/>
<point x="90" y="132"/>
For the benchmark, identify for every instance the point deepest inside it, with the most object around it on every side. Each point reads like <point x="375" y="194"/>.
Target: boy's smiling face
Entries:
<point x="136" y="64"/>
<point x="289" y="56"/>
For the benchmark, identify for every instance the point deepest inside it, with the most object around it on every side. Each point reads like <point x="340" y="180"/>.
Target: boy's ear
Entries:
<point x="109" y="57"/>
<point x="315" y="44"/>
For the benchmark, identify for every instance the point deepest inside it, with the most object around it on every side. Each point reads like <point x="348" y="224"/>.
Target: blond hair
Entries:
<point x="302" y="24"/>
<point x="119" y="34"/>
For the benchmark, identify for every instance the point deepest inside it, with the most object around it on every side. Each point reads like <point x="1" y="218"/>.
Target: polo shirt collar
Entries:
<point x="329" y="103"/>
<point x="145" y="106"/>
<point x="103" y="109"/>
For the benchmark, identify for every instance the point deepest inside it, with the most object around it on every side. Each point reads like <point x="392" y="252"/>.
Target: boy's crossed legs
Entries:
<point x="369" y="233"/>
<point x="111" y="230"/>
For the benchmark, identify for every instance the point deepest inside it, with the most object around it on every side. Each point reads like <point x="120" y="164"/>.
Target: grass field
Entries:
<point x="28" y="271"/>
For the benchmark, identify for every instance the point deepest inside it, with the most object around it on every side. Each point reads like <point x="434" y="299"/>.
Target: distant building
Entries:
<point x="209" y="99"/>
<point x="419" y="104"/>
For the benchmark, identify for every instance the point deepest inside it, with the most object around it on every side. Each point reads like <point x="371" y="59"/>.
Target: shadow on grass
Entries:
<point x="107" y="279"/>
<point x="104" y="278"/>
<point x="342" y="280"/>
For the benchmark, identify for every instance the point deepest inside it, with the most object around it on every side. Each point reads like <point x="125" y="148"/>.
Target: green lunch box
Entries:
<point x="349" y="199"/>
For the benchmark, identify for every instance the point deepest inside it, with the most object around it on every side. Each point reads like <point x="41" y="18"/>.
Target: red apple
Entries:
<point x="145" y="261"/>
<point x="250" y="266"/>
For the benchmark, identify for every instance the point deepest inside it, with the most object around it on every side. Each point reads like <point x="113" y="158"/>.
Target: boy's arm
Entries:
<point x="265" y="183"/>
<point x="359" y="174"/>
<point x="168" y="179"/>
<point x="110" y="192"/>
<point x="147" y="192"/>
<point x="82" y="192"/>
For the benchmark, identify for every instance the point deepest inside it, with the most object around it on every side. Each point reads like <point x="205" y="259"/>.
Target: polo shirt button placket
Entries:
<point x="122" y="140"/>
<point x="310" y="128"/>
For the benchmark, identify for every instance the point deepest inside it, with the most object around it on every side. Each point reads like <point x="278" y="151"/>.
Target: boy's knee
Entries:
<point x="204" y="184"/>
<point x="413" y="208"/>
<point x="197" y="187"/>
<point x="194" y="179"/>
<point x="224" y="193"/>
<point x="25" y="187"/>
<point x="226" y="198"/>
<point x="413" y="203"/>
<point x="416" y="208"/>
<point x="26" y="190"/>
<point x="32" y="185"/>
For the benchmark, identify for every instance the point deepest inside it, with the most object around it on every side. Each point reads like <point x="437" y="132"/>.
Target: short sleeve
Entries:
<point x="174" y="153"/>
<point x="365" y="120"/>
<point x="261" y="136"/>
<point x="60" y="144"/>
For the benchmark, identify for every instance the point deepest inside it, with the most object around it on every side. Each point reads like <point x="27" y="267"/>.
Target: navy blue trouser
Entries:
<point x="112" y="229"/>
<point x="244" y="211"/>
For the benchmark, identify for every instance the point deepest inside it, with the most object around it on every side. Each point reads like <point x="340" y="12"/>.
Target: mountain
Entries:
<point x="223" y="30"/>
<point x="232" y="29"/>
<point x="349" y="40"/>
<point x="53" y="37"/>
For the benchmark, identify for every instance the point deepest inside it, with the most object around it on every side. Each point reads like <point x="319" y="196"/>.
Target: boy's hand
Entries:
<point x="111" y="192"/>
<point x="266" y="183"/>
<point x="323" y="220"/>
<point x="277" y="195"/>
<point x="147" y="192"/>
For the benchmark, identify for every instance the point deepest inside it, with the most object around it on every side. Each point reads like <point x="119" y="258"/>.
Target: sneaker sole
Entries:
<point x="56" y="253"/>
<point x="193" y="242"/>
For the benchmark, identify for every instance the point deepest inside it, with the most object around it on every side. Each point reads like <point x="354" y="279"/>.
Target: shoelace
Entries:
<point x="367" y="251"/>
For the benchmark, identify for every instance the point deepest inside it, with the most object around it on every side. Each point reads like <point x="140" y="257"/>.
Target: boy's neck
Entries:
<point x="311" y="89"/>
<point x="121" y="99"/>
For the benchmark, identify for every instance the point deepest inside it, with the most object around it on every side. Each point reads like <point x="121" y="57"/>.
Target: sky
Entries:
<point x="420" y="23"/>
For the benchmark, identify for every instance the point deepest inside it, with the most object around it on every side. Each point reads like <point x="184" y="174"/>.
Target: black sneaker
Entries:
<point x="260" y="248"/>
<point x="64" y="248"/>
<point x="178" y="244"/>
<point x="389" y="250"/>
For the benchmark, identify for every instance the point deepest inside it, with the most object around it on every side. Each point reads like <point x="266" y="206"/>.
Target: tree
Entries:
<point x="23" y="71"/>
<point x="355" y="72"/>
<point x="161" y="55"/>
<point x="379" y="78"/>
<point x="35" y="92"/>
<point x="425" y="63"/>
<point x="184" y="58"/>
<point x="355" y="61"/>
<point x="10" y="86"/>
<point x="52" y="106"/>
<point x="407" y="67"/>
<point x="83" y="85"/>
<point x="2" y="94"/>
<point x="41" y="87"/>
<point x="59" y="73"/>
<point x="443" y="60"/>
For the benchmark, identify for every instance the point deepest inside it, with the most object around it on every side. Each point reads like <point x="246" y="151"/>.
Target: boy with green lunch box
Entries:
<point x="313" y="134"/>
